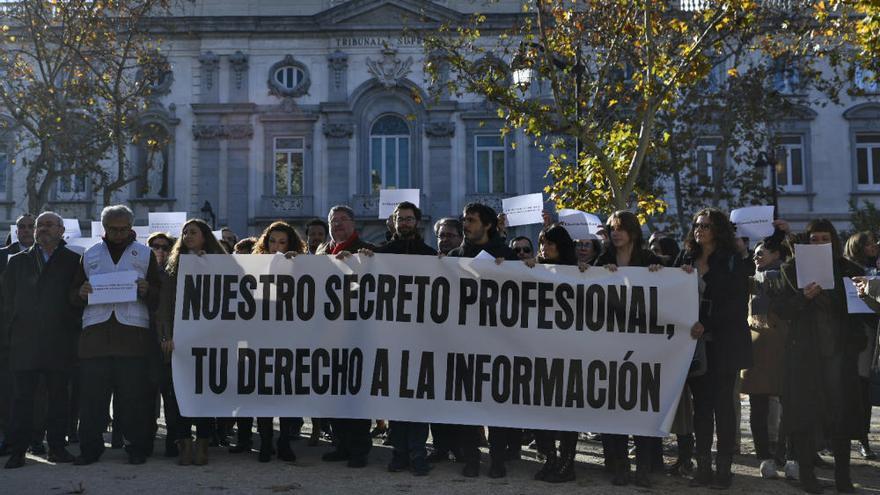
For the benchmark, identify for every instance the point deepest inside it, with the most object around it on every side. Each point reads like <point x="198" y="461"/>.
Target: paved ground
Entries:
<point x="232" y="474"/>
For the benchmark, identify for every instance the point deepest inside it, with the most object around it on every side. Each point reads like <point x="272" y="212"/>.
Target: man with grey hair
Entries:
<point x="42" y="328"/>
<point x="448" y="232"/>
<point x="117" y="343"/>
<point x="352" y="436"/>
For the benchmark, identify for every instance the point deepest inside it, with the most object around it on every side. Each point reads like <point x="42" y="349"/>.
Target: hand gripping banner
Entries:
<point x="417" y="338"/>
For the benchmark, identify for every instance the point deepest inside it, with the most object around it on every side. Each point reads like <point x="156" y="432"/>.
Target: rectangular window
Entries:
<point x="288" y="168"/>
<point x="868" y="160"/>
<point x="71" y="186"/>
<point x="787" y="77"/>
<point x="491" y="166"/>
<point x="707" y="159"/>
<point x="790" y="163"/>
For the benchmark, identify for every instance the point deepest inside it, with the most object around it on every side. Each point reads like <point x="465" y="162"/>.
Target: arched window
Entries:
<point x="289" y="76"/>
<point x="389" y="153"/>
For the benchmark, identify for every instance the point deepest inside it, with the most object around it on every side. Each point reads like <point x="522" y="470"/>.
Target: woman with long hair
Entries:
<point x="710" y="249"/>
<point x="278" y="238"/>
<point x="556" y="247"/>
<point x="626" y="248"/>
<point x="861" y="248"/>
<point x="195" y="238"/>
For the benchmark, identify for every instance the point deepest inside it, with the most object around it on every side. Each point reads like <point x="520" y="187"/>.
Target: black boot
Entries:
<point x="703" y="474"/>
<point x="564" y="471"/>
<point x="807" y="476"/>
<point x="285" y="453"/>
<point x="620" y="468"/>
<point x="548" y="467"/>
<point x="723" y="476"/>
<point x="842" y="480"/>
<point x="642" y="479"/>
<point x="266" y="449"/>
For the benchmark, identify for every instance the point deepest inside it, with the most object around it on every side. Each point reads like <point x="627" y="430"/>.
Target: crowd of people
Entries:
<point x="804" y="361"/>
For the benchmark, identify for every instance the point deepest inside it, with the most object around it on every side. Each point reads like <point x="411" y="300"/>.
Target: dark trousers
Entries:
<point x="409" y="440"/>
<point x="128" y="380"/>
<point x="353" y="436"/>
<point x="714" y="412"/>
<point x="5" y="396"/>
<point x="616" y="448"/>
<point x="865" y="388"/>
<point x="545" y="441"/>
<point x="266" y="428"/>
<point x="169" y="403"/>
<point x="503" y="441"/>
<point x="442" y="438"/>
<point x="759" y="405"/>
<point x="467" y="439"/>
<point x="24" y="387"/>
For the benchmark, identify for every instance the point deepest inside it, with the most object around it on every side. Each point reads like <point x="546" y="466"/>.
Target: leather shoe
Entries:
<point x="37" y="448"/>
<point x="497" y="470"/>
<point x="471" y="470"/>
<point x="15" y="461"/>
<point x="866" y="452"/>
<point x="60" y="455"/>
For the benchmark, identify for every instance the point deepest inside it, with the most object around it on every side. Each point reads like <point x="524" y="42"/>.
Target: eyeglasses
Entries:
<point x="525" y="250"/>
<point x="406" y="219"/>
<point x="118" y="230"/>
<point x="161" y="247"/>
<point x="339" y="221"/>
<point x="583" y="244"/>
<point x="702" y="226"/>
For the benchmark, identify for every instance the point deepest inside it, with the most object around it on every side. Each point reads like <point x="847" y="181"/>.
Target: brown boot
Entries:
<point x="201" y="452"/>
<point x="185" y="452"/>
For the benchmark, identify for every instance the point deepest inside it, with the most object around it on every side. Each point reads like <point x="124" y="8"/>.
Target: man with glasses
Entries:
<point x="449" y="234"/>
<point x="353" y="441"/>
<point x="42" y="328"/>
<point x="117" y="343"/>
<point x="522" y="246"/>
<point x="24" y="230"/>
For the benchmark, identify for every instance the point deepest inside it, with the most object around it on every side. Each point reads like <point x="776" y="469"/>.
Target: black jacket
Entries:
<point x="406" y="246"/>
<point x="641" y="257"/>
<point x="724" y="310"/>
<point x="41" y="324"/>
<point x="496" y="247"/>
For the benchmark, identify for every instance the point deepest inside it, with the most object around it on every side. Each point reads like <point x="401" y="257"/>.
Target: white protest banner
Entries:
<point x="71" y="228"/>
<point x="142" y="233"/>
<point x="754" y="222"/>
<point x="814" y="264"/>
<point x="97" y="229"/>
<point x="580" y="225"/>
<point x="854" y="303"/>
<point x="79" y="244"/>
<point x="13" y="232"/>
<point x="417" y="338"/>
<point x="523" y="210"/>
<point x="390" y="198"/>
<point x="113" y="287"/>
<point x="169" y="222"/>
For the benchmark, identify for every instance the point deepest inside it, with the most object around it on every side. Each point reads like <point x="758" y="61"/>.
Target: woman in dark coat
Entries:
<point x="820" y="391"/>
<point x="710" y="249"/>
<point x="555" y="246"/>
<point x="626" y="248"/>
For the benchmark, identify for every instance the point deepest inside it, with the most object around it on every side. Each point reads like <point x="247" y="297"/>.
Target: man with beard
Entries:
<point x="480" y="226"/>
<point x="42" y="330"/>
<point x="117" y="341"/>
<point x="316" y="234"/>
<point x="353" y="441"/>
<point x="408" y="438"/>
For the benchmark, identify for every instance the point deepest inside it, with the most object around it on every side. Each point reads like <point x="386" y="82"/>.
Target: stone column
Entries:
<point x="237" y="183"/>
<point x="338" y="136"/>
<point x="439" y="174"/>
<point x="337" y="63"/>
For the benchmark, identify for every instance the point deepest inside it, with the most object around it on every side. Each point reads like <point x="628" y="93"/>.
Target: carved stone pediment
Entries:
<point x="390" y="69"/>
<point x="386" y="12"/>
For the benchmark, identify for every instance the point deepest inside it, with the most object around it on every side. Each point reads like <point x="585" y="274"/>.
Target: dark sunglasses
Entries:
<point x="522" y="250"/>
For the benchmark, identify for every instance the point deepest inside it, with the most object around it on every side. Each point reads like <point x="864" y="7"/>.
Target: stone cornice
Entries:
<point x="223" y="108"/>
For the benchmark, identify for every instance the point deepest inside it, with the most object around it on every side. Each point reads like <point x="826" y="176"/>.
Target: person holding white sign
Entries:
<point x="117" y="344"/>
<point x="196" y="237"/>
<point x="820" y="392"/>
<point x="710" y="249"/>
<point x="861" y="248"/>
<point x="41" y="327"/>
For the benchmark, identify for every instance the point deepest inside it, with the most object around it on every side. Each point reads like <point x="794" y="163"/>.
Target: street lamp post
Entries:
<point x="769" y="161"/>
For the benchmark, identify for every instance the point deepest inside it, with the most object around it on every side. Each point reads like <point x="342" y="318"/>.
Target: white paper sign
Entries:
<point x="390" y="198"/>
<point x="580" y="225"/>
<point x="484" y="256"/>
<point x="71" y="228"/>
<point x="113" y="287"/>
<point x="142" y="233"/>
<point x="97" y="229"/>
<point x="169" y="222"/>
<point x="754" y="222"/>
<point x="79" y="244"/>
<point x="13" y="232"/>
<point x="523" y="210"/>
<point x="814" y="264"/>
<point x="218" y="234"/>
<point x="854" y="303"/>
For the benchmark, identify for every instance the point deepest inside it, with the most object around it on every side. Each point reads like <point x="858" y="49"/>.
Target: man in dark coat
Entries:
<point x="352" y="436"/>
<point x="480" y="227"/>
<point x="24" y="230"/>
<point x="42" y="326"/>
<point x="407" y="437"/>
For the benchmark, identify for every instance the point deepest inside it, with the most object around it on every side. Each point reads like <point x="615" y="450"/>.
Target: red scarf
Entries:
<point x="343" y="246"/>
